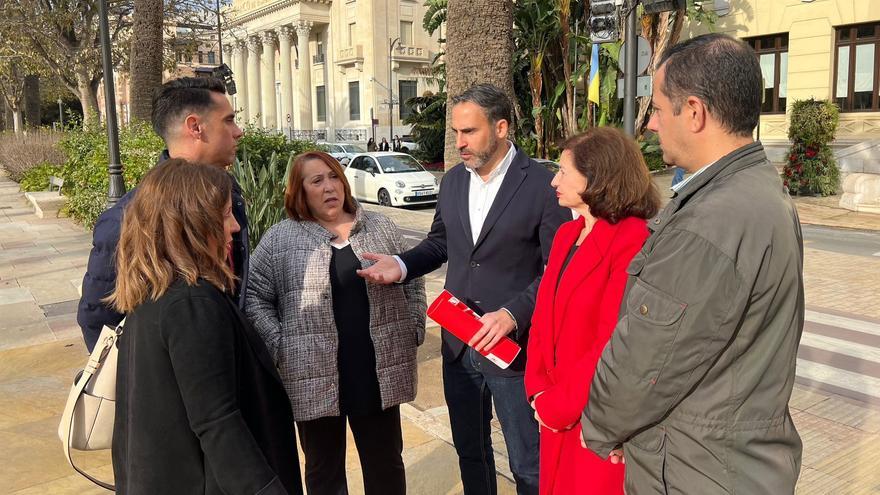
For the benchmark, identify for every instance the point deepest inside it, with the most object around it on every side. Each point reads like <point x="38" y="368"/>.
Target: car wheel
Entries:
<point x="384" y="198"/>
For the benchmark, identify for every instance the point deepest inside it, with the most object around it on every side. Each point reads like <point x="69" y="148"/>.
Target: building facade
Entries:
<point x="823" y="49"/>
<point x="324" y="69"/>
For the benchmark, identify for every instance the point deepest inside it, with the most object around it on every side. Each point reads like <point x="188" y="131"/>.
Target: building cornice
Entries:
<point x="270" y="8"/>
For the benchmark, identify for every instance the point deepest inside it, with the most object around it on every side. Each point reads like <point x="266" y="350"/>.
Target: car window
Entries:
<point x="370" y="165"/>
<point x="356" y="163"/>
<point x="336" y="149"/>
<point x="395" y="164"/>
<point x="352" y="148"/>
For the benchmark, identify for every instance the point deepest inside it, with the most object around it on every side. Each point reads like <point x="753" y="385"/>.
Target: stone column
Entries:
<point x="253" y="77"/>
<point x="304" y="82"/>
<point x="239" y="60"/>
<point x="285" y="38"/>
<point x="267" y="69"/>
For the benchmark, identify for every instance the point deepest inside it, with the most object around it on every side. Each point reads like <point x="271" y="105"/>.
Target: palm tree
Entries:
<point x="146" y="56"/>
<point x="479" y="49"/>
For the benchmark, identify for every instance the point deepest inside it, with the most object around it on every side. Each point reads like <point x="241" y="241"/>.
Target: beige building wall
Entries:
<point x="811" y="52"/>
<point x="348" y="42"/>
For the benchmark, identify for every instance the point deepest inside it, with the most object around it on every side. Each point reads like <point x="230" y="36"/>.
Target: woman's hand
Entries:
<point x="538" y="417"/>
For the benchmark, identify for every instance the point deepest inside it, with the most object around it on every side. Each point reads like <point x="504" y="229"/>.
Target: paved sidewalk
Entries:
<point x="42" y="262"/>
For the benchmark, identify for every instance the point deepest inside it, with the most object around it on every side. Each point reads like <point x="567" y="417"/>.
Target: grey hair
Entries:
<point x="490" y="98"/>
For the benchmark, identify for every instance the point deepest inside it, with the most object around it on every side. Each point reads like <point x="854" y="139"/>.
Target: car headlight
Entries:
<point x="400" y="184"/>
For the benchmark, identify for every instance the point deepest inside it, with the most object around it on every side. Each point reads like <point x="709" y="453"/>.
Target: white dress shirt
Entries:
<point x="481" y="195"/>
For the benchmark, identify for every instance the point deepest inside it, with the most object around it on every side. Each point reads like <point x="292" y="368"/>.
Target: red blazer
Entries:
<point x="571" y="324"/>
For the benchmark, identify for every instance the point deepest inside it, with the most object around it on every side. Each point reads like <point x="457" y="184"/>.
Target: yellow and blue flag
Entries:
<point x="593" y="93"/>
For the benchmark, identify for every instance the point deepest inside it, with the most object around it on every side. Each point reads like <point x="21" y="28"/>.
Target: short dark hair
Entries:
<point x="182" y="96"/>
<point x="490" y="98"/>
<point x="723" y="72"/>
<point x="618" y="182"/>
<point x="295" y="195"/>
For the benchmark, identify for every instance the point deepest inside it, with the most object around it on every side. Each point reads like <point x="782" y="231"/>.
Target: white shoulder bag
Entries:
<point x="87" y="422"/>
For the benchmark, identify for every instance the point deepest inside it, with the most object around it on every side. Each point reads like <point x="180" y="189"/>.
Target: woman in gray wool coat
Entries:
<point x="345" y="349"/>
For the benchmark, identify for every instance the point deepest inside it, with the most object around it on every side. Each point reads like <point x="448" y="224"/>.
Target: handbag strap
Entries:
<point x="96" y="359"/>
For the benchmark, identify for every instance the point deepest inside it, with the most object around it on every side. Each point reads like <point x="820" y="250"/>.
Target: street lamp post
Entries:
<point x="390" y="94"/>
<point x="61" y="113"/>
<point x="114" y="168"/>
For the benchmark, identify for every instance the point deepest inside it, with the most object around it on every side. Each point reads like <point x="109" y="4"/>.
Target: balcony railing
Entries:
<point x="411" y="53"/>
<point x="350" y="55"/>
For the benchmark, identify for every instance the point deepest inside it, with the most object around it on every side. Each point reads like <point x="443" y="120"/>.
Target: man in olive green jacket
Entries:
<point x="696" y="379"/>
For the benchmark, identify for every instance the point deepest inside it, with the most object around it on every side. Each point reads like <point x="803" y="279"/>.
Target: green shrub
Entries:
<point x="21" y="152"/>
<point x="261" y="170"/>
<point x="650" y="147"/>
<point x="37" y="178"/>
<point x="810" y="168"/>
<point x="263" y="190"/>
<point x="259" y="144"/>
<point x="86" y="179"/>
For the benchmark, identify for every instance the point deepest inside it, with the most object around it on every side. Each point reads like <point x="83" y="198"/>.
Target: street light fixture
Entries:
<point x="61" y="113"/>
<point x="391" y="85"/>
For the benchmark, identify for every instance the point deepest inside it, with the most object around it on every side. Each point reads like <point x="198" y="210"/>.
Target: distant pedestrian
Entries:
<point x="696" y="379"/>
<point x="383" y="146"/>
<point x="371" y="145"/>
<point x="346" y="349"/>
<point x="396" y="143"/>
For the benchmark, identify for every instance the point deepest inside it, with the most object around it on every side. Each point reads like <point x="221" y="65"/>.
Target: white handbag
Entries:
<point x="87" y="422"/>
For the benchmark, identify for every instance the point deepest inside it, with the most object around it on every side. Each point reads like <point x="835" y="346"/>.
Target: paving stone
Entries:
<point x="15" y="295"/>
<point x="20" y="314"/>
<point x="846" y="412"/>
<point x="824" y="438"/>
<point x="815" y="482"/>
<point x="802" y="398"/>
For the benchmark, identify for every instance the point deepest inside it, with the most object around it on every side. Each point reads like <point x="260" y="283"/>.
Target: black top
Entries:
<point x="200" y="409"/>
<point x="565" y="263"/>
<point x="358" y="382"/>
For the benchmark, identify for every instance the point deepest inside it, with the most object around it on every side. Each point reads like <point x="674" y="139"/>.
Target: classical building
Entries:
<point x="324" y="69"/>
<point x="824" y="49"/>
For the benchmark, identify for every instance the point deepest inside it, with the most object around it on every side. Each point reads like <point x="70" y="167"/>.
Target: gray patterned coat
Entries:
<point x="289" y="302"/>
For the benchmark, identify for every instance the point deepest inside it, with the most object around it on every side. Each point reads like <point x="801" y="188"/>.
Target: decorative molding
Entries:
<point x="268" y="38"/>
<point x="260" y="11"/>
<point x="286" y="32"/>
<point x="303" y="28"/>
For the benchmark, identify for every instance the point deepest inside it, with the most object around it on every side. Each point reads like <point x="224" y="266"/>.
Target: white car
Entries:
<point x="343" y="152"/>
<point x="391" y="179"/>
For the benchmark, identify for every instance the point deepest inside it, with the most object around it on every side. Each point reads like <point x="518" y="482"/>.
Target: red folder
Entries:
<point x="461" y="321"/>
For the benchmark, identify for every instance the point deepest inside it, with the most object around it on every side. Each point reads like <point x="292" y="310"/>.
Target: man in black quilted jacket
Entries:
<point x="196" y="121"/>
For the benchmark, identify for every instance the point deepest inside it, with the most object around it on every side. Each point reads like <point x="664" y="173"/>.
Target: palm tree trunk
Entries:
<point x="146" y="57"/>
<point x="479" y="49"/>
<point x="660" y="36"/>
<point x="32" y="101"/>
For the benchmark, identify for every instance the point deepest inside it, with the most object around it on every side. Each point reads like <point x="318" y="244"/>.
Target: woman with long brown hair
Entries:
<point x="200" y="407"/>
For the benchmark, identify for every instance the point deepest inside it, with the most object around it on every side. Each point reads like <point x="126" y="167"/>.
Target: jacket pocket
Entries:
<point x="653" y="306"/>
<point x="645" y="455"/>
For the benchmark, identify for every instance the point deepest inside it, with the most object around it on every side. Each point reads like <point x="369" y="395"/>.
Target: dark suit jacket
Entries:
<point x="200" y="407"/>
<point x="100" y="277"/>
<point x="504" y="267"/>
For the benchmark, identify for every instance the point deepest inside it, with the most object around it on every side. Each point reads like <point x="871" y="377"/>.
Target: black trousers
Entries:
<point x="379" y="443"/>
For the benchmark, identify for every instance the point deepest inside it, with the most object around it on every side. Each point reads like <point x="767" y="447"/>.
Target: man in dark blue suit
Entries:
<point x="494" y="224"/>
<point x="194" y="118"/>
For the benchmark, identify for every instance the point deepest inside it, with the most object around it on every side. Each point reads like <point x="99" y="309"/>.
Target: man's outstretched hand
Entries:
<point x="386" y="270"/>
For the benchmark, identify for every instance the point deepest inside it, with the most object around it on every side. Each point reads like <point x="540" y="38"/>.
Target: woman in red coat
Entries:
<point x="603" y="177"/>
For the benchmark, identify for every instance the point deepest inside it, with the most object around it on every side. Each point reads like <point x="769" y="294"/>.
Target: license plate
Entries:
<point x="424" y="193"/>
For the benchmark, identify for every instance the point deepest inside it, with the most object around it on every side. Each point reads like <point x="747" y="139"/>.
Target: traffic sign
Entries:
<point x="643" y="86"/>
<point x="643" y="60"/>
